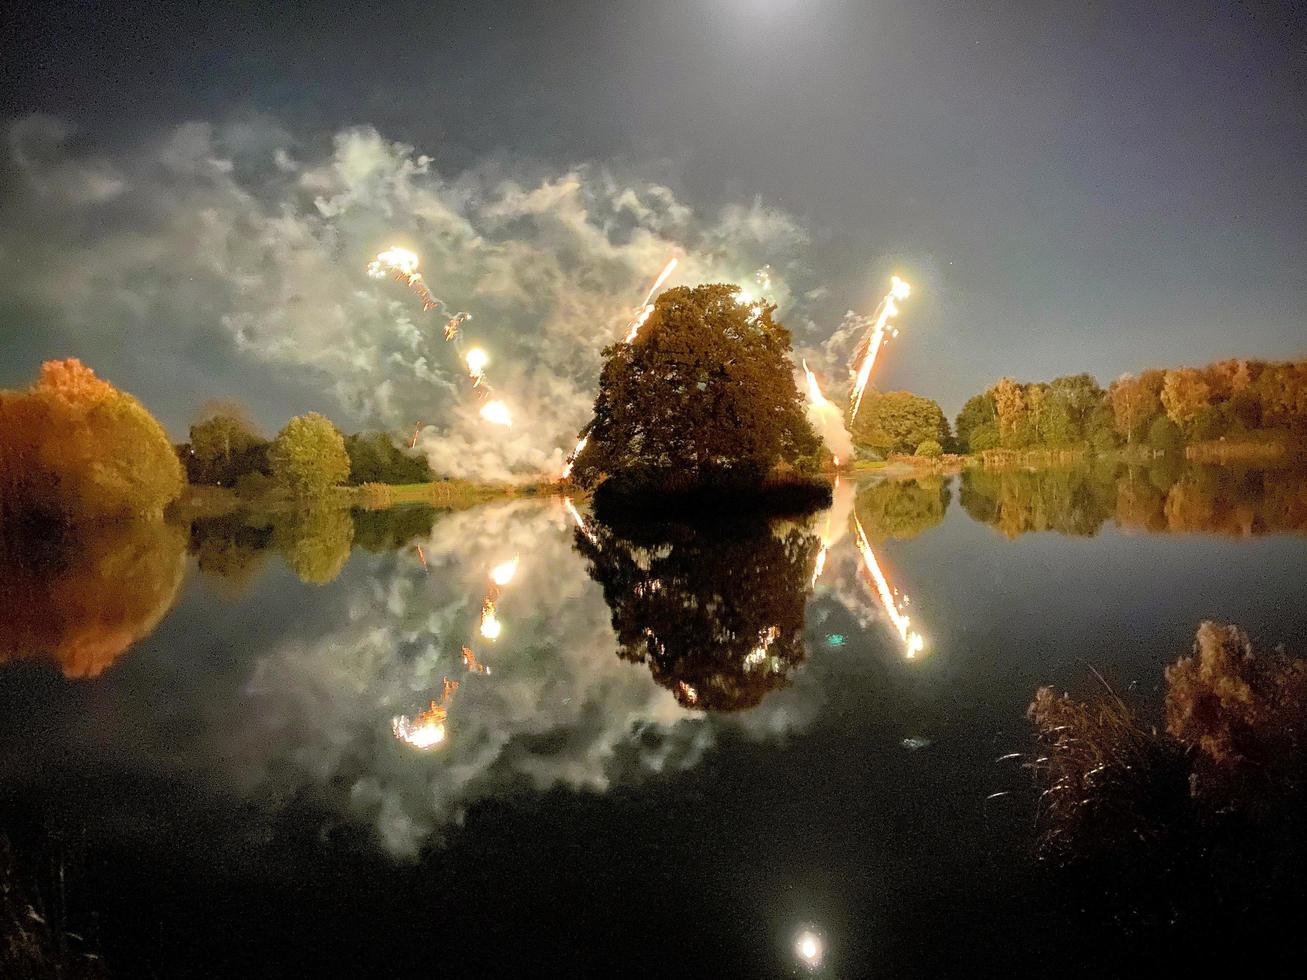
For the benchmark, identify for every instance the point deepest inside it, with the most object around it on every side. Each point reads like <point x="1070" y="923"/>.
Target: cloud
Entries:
<point x="240" y="240"/>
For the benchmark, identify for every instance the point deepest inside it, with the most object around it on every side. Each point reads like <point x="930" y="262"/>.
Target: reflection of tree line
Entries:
<point x="314" y="542"/>
<point x="84" y="593"/>
<point x="1167" y="497"/>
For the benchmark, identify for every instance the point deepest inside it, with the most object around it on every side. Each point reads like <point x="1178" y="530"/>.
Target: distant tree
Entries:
<point x="705" y="390"/>
<point x="1135" y="402"/>
<point x="1184" y="395"/>
<point x="374" y="458"/>
<point x="1013" y="413"/>
<point x="1081" y="397"/>
<point x="979" y="410"/>
<point x="77" y="448"/>
<point x="223" y="448"/>
<point x="1164" y="434"/>
<point x="308" y="456"/>
<point x="898" y="422"/>
<point x="929" y="449"/>
<point x="983" y="437"/>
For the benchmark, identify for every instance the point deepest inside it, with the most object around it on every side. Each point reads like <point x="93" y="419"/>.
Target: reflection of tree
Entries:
<point x="1214" y="499"/>
<point x="315" y="541"/>
<point x="230" y="549"/>
<point x="393" y="527"/>
<point x="718" y="617"/>
<point x="1165" y="497"/>
<point x="1070" y="500"/>
<point x="902" y="509"/>
<point x="85" y="595"/>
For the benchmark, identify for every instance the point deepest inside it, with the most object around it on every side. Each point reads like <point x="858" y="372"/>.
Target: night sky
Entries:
<point x="1071" y="187"/>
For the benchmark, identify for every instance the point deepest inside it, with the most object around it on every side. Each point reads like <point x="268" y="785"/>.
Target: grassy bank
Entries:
<point x="199" y="501"/>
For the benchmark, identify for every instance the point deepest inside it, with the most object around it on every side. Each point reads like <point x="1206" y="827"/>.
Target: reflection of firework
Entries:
<point x="491" y="627"/>
<point x="873" y="339"/>
<point x="473" y="665"/>
<point x="503" y="573"/>
<point x="912" y="642"/>
<point x="427" y="730"/>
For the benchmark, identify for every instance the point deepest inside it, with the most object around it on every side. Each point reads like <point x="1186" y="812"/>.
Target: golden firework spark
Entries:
<point x="874" y="338"/>
<point x="498" y="413"/>
<point x="646" y="307"/>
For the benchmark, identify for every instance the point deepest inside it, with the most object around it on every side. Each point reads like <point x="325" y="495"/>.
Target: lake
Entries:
<point x="670" y="750"/>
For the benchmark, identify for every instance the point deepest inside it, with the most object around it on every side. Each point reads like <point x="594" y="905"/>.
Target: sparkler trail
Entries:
<point x="646" y="307"/>
<point x="827" y="419"/>
<point x="913" y="643"/>
<point x="571" y="460"/>
<point x="402" y="265"/>
<point x="873" y="339"/>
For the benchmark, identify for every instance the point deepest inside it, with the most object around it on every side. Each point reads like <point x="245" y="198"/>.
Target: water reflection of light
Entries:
<point x="426" y="731"/>
<point x="503" y="573"/>
<point x="913" y="642"/>
<point x="809" y="949"/>
<point x="490" y="625"/>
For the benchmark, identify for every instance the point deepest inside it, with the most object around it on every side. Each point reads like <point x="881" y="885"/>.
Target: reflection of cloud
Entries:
<point x="558" y="709"/>
<point x="254" y="245"/>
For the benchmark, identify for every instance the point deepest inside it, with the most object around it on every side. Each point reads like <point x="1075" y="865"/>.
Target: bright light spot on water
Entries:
<point x="835" y="639"/>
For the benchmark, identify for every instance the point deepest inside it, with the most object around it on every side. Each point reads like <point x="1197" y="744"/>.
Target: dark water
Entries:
<point x="682" y="757"/>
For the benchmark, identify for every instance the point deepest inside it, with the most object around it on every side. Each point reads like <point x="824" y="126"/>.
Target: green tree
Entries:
<point x="704" y="392"/>
<point x="930" y="449"/>
<point x="308" y="456"/>
<point x="1164" y="434"/>
<point x="1081" y="398"/>
<point x="898" y="422"/>
<point x="983" y="437"/>
<point x="979" y="410"/>
<point x="374" y="458"/>
<point x="224" y="447"/>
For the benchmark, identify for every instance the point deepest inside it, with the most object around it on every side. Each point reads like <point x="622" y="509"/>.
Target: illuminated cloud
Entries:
<point x="243" y="248"/>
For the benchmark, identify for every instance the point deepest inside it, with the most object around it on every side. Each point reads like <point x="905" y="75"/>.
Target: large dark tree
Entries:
<point x="705" y="392"/>
<point x="717" y="616"/>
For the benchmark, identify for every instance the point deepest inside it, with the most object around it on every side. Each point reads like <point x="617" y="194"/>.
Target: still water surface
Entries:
<point x="670" y="750"/>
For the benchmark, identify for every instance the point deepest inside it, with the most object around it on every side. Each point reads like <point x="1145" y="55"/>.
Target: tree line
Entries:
<point x="1236" y="399"/>
<point x="308" y="456"/>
